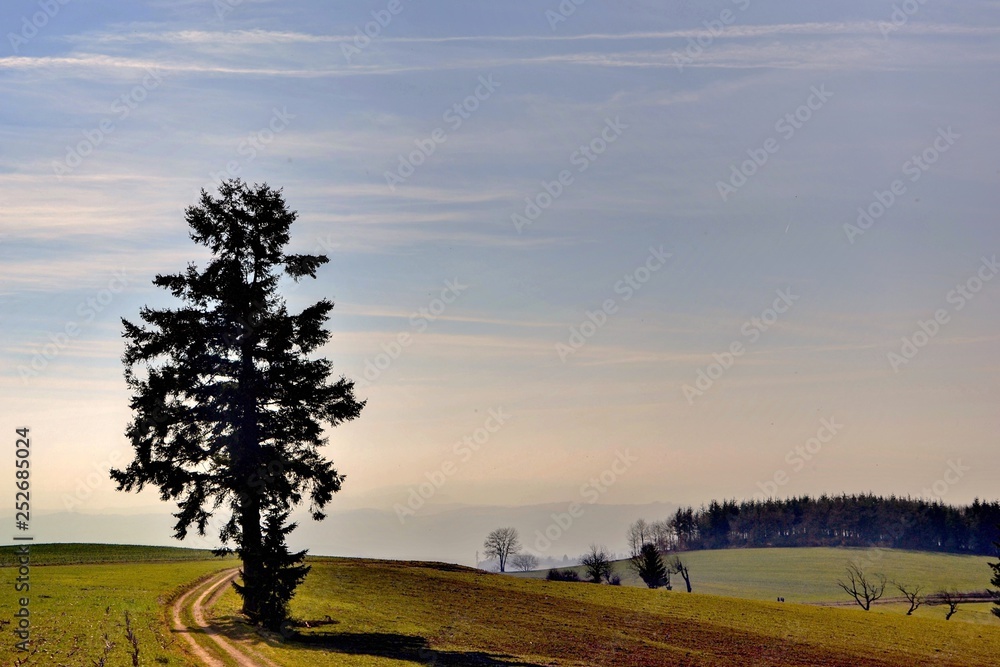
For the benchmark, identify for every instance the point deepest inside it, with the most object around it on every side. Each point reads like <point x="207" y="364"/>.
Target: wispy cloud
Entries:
<point x="258" y="37"/>
<point x="124" y="207"/>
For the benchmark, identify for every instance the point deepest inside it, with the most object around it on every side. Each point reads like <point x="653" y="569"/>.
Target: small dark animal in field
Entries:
<point x="781" y="599"/>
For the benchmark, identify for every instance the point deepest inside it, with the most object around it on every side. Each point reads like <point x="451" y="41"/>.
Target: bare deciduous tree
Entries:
<point x="912" y="596"/>
<point x="950" y="598"/>
<point x="677" y="566"/>
<point x="597" y="563"/>
<point x="662" y="536"/>
<point x="524" y="562"/>
<point x="863" y="588"/>
<point x="639" y="533"/>
<point x="501" y="544"/>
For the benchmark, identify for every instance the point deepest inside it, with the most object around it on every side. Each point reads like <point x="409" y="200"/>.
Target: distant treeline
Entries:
<point x="849" y="521"/>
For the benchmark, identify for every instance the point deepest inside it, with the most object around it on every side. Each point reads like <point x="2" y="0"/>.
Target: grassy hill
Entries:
<point x="809" y="575"/>
<point x="396" y="613"/>
<point x="78" y="554"/>
<point x="367" y="613"/>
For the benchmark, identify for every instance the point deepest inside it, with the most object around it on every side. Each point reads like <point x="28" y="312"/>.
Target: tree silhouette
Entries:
<point x="648" y="564"/>
<point x="597" y="563"/>
<point x="525" y="562"/>
<point x="229" y="404"/>
<point x="861" y="520"/>
<point x="501" y="544"/>
<point x="912" y="596"/>
<point x="996" y="582"/>
<point x="677" y="566"/>
<point x="865" y="589"/>
<point x="949" y="598"/>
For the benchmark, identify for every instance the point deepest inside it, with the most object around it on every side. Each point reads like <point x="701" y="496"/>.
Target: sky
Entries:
<point x="602" y="251"/>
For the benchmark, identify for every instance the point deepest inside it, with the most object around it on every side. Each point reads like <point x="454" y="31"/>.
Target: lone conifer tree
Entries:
<point x="648" y="564"/>
<point x="229" y="402"/>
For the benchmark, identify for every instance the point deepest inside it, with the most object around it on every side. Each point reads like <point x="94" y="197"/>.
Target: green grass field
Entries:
<point x="365" y="613"/>
<point x="393" y="614"/>
<point x="78" y="554"/>
<point x="810" y="575"/>
<point x="74" y="606"/>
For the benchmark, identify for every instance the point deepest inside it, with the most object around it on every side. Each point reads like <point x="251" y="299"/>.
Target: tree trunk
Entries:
<point x="250" y="527"/>
<point x="249" y="457"/>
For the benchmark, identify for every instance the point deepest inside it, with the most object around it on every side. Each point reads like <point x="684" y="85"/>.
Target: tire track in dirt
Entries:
<point x="199" y="599"/>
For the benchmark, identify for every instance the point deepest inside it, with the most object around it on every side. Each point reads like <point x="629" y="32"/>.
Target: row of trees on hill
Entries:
<point x="867" y="589"/>
<point x="504" y="545"/>
<point x="845" y="520"/>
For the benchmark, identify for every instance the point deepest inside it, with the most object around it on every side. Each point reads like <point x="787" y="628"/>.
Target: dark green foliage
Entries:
<point x="860" y="520"/>
<point x="996" y="582"/>
<point x="229" y="405"/>
<point x="648" y="564"/>
<point x="562" y="575"/>
<point x="282" y="569"/>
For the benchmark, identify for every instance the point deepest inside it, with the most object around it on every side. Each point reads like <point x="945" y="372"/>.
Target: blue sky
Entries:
<point x="116" y="114"/>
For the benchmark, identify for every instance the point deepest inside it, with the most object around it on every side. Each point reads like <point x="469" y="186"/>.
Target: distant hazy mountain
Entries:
<point x="451" y="534"/>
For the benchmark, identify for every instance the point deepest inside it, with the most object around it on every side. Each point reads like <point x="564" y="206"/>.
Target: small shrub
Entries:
<point x="615" y="580"/>
<point x="562" y="575"/>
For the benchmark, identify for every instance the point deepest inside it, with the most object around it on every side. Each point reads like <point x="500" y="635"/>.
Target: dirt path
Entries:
<point x="199" y="600"/>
